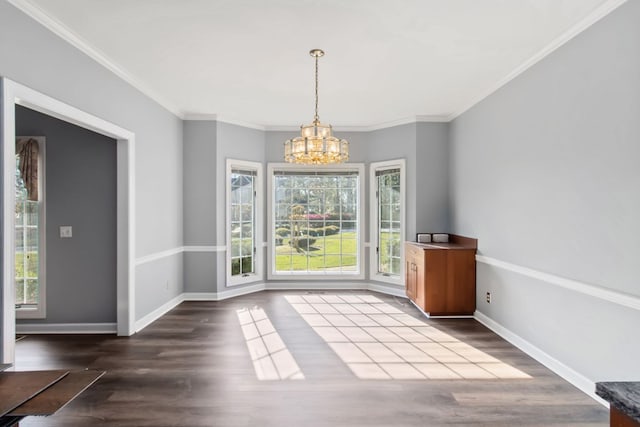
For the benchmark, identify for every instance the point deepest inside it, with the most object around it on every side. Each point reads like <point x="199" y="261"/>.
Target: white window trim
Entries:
<point x="258" y="232"/>
<point x="373" y="223"/>
<point x="40" y="311"/>
<point x="356" y="275"/>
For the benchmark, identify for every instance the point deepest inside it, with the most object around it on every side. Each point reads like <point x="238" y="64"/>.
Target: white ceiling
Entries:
<point x="386" y="60"/>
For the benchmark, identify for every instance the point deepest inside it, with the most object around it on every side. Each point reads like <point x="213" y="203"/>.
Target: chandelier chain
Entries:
<point x="316" y="117"/>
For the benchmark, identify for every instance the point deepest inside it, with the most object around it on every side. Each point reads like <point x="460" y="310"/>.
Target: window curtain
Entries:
<point x="27" y="151"/>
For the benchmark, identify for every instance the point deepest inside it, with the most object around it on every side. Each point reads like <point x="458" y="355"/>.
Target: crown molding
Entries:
<point x="222" y="119"/>
<point x="199" y="117"/>
<point x="399" y="122"/>
<point x="383" y="125"/>
<point x="85" y="47"/>
<point x="432" y="119"/>
<point x="78" y="42"/>
<point x="597" y="14"/>
<point x="283" y="128"/>
<point x="238" y="122"/>
<point x="407" y="120"/>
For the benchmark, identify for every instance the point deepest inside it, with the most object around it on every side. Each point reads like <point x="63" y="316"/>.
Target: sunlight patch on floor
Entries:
<point x="270" y="356"/>
<point x="379" y="341"/>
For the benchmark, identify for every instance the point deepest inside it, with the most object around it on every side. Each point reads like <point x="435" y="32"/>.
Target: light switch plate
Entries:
<point x="66" y="231"/>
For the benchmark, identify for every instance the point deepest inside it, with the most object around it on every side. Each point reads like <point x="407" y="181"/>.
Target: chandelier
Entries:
<point x="316" y="145"/>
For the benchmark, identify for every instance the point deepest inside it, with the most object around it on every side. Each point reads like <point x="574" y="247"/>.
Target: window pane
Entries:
<point x="395" y="213"/>
<point x="247" y="247"/>
<point x="27" y="245"/>
<point x="20" y="291"/>
<point x="247" y="265"/>
<point x="31" y="264"/>
<point x="235" y="247"/>
<point x="235" y="212"/>
<point x="395" y="265"/>
<point x="389" y="225"/>
<point x="242" y="221"/>
<point x="320" y="224"/>
<point x="246" y="212"/>
<point x="395" y="196"/>
<point x="348" y="226"/>
<point x="31" y="295"/>
<point x="330" y="262"/>
<point x="385" y="213"/>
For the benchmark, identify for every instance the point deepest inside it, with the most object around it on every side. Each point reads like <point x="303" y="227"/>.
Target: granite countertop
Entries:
<point x="624" y="396"/>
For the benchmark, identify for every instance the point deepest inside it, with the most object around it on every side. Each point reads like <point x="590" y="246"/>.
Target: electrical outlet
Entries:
<point x="488" y="297"/>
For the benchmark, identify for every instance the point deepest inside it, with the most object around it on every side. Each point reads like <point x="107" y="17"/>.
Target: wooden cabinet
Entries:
<point x="440" y="278"/>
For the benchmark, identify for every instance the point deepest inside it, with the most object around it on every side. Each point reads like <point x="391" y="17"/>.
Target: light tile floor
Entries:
<point x="379" y="341"/>
<point x="271" y="358"/>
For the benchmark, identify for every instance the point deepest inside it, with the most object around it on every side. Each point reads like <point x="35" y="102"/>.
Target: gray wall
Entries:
<point x="80" y="191"/>
<point x="33" y="56"/>
<point x="199" y="179"/>
<point x="545" y="174"/>
<point x="209" y="143"/>
<point x="233" y="142"/>
<point x="207" y="146"/>
<point x="432" y="178"/>
<point x="200" y="204"/>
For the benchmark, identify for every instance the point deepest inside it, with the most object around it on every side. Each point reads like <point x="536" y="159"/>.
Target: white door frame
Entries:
<point x="16" y="94"/>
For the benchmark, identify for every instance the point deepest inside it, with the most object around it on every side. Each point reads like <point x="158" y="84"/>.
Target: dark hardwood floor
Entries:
<point x="314" y="366"/>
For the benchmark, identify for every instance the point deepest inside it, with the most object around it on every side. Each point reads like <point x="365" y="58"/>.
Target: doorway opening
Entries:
<point x="16" y="94"/>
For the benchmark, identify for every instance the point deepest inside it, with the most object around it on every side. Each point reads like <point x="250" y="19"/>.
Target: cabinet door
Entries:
<point x="461" y="282"/>
<point x="420" y="277"/>
<point x="410" y="274"/>
<point x="435" y="282"/>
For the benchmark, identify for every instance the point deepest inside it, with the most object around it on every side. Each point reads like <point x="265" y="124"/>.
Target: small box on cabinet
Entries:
<point x="440" y="238"/>
<point x="423" y="238"/>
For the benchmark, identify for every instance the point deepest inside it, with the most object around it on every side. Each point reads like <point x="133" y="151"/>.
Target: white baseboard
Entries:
<point x="200" y="296"/>
<point x="157" y="313"/>
<point x="329" y="286"/>
<point x="389" y="289"/>
<point x="575" y="378"/>
<point x="238" y="291"/>
<point x="226" y="294"/>
<point x="111" y="328"/>
<point x="294" y="286"/>
<point x="65" y="328"/>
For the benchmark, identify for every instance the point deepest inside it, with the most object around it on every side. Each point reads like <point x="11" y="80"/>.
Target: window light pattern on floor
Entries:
<point x="271" y="358"/>
<point x="379" y="341"/>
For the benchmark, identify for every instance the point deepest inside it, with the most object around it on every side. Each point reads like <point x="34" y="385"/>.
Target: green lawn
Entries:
<point x="32" y="264"/>
<point x="29" y="293"/>
<point x="323" y="254"/>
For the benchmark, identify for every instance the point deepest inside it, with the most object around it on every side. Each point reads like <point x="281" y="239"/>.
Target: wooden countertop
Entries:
<point x="455" y="242"/>
<point x="442" y="245"/>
